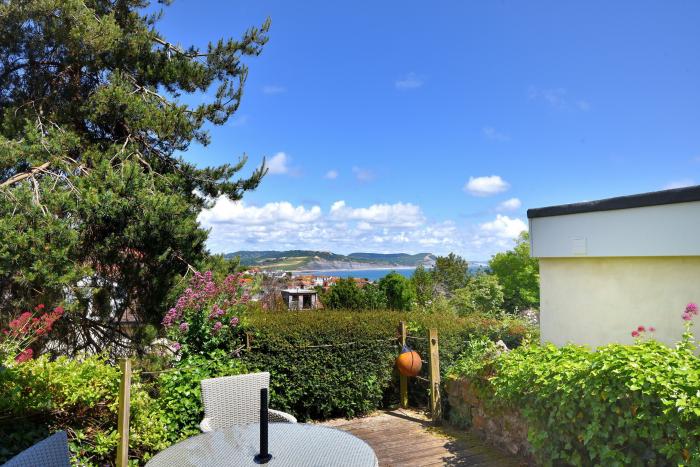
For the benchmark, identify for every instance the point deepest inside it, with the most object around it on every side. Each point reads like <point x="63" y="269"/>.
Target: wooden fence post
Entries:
<point x="435" y="401"/>
<point x="403" y="380"/>
<point x="124" y="408"/>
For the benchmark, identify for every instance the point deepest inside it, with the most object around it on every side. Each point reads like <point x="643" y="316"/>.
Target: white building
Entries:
<point x="611" y="265"/>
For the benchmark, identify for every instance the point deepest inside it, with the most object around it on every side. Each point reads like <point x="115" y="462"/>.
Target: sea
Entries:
<point x="370" y="274"/>
<point x="376" y="274"/>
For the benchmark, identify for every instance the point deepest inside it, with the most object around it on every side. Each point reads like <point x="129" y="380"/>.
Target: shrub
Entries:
<point x="616" y="406"/>
<point x="483" y="294"/>
<point x="476" y="361"/>
<point x="341" y="363"/>
<point x="620" y="405"/>
<point x="179" y="391"/>
<point x="79" y="395"/>
<point x="343" y="294"/>
<point x="398" y="290"/>
<point x="207" y="313"/>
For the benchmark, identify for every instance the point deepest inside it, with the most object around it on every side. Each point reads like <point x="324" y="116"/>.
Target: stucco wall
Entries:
<point x="596" y="301"/>
<point x="667" y="230"/>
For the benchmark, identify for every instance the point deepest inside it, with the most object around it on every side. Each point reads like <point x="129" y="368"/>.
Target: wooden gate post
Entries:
<point x="403" y="380"/>
<point x="435" y="401"/>
<point x="124" y="408"/>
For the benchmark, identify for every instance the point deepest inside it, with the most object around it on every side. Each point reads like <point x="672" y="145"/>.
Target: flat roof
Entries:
<point x="299" y="291"/>
<point x="654" y="198"/>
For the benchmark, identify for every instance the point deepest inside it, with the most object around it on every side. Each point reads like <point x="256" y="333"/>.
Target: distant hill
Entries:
<point x="299" y="260"/>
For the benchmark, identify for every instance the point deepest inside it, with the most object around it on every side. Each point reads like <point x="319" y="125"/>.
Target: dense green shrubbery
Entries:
<point x="179" y="391"/>
<point x="79" y="395"/>
<point x="340" y="363"/>
<point x="620" y="405"/>
<point x="323" y="364"/>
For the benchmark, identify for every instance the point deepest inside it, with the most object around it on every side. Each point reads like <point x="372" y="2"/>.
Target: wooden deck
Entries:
<point x="407" y="438"/>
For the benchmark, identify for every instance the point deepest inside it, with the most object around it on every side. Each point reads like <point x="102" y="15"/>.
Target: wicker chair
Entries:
<point x="51" y="452"/>
<point x="235" y="400"/>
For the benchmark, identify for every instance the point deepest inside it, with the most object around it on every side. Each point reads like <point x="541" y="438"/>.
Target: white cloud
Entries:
<point x="496" y="235"/>
<point x="409" y="81"/>
<point x="503" y="227"/>
<point x="237" y="212"/>
<point x="493" y="134"/>
<point x="510" y="205"/>
<point x="363" y="175"/>
<point x="273" y="89"/>
<point x="397" y="215"/>
<point x="381" y="228"/>
<point x="278" y="164"/>
<point x="331" y="175"/>
<point x="486" y="186"/>
<point x="679" y="184"/>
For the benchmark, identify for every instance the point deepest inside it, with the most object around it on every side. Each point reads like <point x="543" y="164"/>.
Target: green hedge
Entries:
<point x="350" y="371"/>
<point x="341" y="363"/>
<point x="620" y="405"/>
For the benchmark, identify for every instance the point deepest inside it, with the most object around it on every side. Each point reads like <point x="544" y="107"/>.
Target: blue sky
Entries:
<point x="376" y="116"/>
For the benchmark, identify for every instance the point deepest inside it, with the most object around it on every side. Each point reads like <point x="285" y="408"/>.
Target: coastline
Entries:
<point x="382" y="268"/>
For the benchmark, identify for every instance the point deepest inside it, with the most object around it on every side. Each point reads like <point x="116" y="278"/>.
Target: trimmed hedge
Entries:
<point x="341" y="363"/>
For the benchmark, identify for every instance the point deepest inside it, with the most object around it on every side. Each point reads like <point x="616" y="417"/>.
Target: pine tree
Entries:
<point x="97" y="207"/>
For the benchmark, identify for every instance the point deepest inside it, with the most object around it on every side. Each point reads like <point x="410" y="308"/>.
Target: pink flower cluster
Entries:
<point x="209" y="302"/>
<point x="691" y="310"/>
<point x="201" y="291"/>
<point x="641" y="330"/>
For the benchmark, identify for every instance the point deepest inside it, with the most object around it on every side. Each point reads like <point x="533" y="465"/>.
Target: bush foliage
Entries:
<point x="323" y="364"/>
<point x="341" y="363"/>
<point x="180" y="395"/>
<point x="620" y="405"/>
<point x="79" y="395"/>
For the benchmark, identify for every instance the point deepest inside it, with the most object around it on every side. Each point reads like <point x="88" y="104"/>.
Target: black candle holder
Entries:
<point x="263" y="457"/>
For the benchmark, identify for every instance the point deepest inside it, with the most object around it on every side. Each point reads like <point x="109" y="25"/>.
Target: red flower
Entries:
<point x="652" y="329"/>
<point x="25" y="355"/>
<point x="635" y="334"/>
<point x="641" y="329"/>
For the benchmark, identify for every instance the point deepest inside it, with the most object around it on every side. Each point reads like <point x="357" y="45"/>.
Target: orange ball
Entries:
<point x="409" y="363"/>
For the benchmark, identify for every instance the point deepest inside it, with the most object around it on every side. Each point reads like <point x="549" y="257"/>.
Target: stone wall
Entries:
<point x="505" y="429"/>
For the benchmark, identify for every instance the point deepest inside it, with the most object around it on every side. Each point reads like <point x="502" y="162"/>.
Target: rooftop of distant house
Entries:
<point x="299" y="291"/>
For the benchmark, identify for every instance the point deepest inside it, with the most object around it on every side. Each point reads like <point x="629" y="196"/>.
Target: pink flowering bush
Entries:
<point x="25" y="330"/>
<point x="207" y="314"/>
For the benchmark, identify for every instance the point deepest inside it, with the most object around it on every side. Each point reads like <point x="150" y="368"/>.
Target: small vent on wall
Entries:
<point x="578" y="246"/>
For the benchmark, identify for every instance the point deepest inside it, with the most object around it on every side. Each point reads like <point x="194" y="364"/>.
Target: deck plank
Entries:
<point x="407" y="438"/>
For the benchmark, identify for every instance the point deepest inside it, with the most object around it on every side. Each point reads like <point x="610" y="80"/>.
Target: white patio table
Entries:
<point x="291" y="444"/>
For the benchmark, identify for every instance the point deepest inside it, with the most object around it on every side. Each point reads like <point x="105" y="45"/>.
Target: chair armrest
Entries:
<point x="205" y="425"/>
<point x="278" y="416"/>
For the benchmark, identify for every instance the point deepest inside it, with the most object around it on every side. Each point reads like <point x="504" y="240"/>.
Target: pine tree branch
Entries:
<point x="24" y="175"/>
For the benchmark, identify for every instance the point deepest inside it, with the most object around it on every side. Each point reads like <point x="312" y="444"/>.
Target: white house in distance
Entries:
<point x="611" y="265"/>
